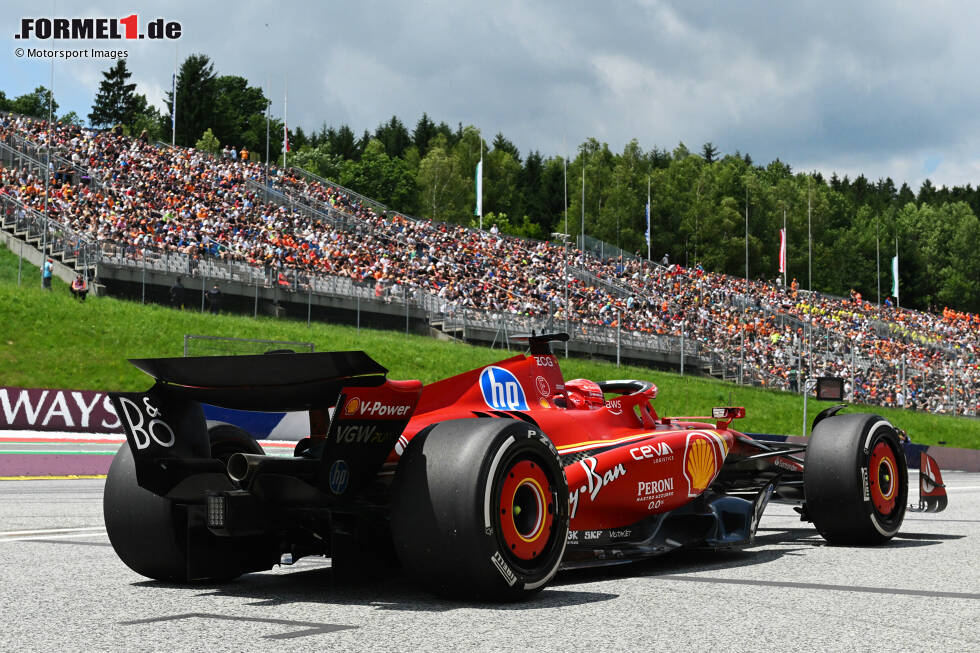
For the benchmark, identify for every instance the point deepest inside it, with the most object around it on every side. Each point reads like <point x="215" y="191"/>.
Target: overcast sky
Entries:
<point x="874" y="87"/>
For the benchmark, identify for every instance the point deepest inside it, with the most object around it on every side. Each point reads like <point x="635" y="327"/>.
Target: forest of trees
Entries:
<point x="698" y="197"/>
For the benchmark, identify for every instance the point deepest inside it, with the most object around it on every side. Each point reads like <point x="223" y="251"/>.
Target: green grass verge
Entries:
<point x="48" y="339"/>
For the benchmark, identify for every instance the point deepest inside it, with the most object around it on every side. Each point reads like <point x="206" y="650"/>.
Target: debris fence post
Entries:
<point x="619" y="317"/>
<point x="682" y="348"/>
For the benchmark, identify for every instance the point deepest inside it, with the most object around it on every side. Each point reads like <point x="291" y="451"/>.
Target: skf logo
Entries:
<point x="501" y="391"/>
<point x="704" y="454"/>
<point x="352" y="406"/>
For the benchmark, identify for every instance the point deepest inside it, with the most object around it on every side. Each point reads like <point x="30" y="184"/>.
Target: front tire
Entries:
<point x="855" y="479"/>
<point x="480" y="509"/>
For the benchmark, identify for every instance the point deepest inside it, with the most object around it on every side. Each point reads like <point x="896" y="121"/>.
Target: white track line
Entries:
<point x="45" y="531"/>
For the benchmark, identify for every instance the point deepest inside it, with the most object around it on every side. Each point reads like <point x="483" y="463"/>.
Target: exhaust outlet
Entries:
<point x="245" y="467"/>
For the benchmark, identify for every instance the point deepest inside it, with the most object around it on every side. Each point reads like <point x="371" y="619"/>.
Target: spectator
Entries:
<point x="79" y="288"/>
<point x="177" y="294"/>
<point x="46" y="273"/>
<point x="214" y="298"/>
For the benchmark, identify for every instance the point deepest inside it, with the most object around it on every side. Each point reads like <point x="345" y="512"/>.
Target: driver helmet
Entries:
<point x="584" y="394"/>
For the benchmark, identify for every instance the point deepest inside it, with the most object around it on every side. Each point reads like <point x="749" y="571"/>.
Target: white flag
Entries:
<point x="895" y="277"/>
<point x="479" y="189"/>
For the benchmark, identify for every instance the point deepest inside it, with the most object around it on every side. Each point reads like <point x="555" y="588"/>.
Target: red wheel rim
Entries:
<point x="526" y="513"/>
<point x="883" y="478"/>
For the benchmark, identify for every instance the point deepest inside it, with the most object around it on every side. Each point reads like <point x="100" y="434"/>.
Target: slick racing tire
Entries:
<point x="149" y="532"/>
<point x="480" y="509"/>
<point x="145" y="529"/>
<point x="855" y="479"/>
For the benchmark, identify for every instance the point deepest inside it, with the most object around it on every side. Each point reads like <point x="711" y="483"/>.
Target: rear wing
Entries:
<point x="167" y="431"/>
<point x="265" y="382"/>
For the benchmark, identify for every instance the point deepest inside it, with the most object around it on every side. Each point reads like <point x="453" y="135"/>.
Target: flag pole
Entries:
<point x="564" y="147"/>
<point x="785" y="260"/>
<point x="895" y="272"/>
<point x="173" y="107"/>
<point x="285" y="128"/>
<point x="878" y="261"/>
<point x="479" y="184"/>
<point x="583" y="201"/>
<point x="649" y="231"/>
<point x="746" y="236"/>
<point x="809" y="236"/>
<point x="268" y="116"/>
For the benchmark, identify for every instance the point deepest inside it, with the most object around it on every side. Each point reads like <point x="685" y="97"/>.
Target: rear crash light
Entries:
<point x="217" y="510"/>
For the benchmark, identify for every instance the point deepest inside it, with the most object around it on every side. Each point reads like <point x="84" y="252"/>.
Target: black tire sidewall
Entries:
<point x="147" y="531"/>
<point x="836" y="479"/>
<point x="441" y="504"/>
<point x="144" y="529"/>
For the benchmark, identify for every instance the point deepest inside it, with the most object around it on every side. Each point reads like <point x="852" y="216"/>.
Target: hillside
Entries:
<point x="48" y="339"/>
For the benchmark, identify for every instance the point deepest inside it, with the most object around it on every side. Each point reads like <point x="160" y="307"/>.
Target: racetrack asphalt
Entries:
<point x="63" y="588"/>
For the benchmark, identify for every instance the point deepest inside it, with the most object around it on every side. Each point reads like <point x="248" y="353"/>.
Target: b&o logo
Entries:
<point x="155" y="427"/>
<point x="501" y="391"/>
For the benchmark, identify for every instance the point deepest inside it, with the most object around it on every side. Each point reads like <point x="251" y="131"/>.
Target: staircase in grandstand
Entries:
<point x="55" y="239"/>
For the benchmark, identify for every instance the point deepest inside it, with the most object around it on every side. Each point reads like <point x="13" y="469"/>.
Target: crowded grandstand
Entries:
<point x="132" y="199"/>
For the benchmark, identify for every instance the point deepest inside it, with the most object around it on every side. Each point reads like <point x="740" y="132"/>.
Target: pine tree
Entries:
<point x="117" y="102"/>
<point x="709" y="152"/>
<point x="197" y="98"/>
<point x="425" y="129"/>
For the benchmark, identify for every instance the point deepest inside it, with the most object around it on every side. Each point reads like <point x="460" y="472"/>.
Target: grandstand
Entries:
<point x="135" y="214"/>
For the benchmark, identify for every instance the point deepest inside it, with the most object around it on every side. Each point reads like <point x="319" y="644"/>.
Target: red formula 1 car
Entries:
<point x="483" y="484"/>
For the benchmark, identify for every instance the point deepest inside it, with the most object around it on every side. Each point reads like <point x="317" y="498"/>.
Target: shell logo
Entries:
<point x="703" y="456"/>
<point x="352" y="406"/>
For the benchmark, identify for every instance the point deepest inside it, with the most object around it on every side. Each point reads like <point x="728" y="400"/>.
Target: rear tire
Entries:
<point x="145" y="529"/>
<point x="480" y="509"/>
<point x="227" y="439"/>
<point x="149" y="532"/>
<point x="855" y="479"/>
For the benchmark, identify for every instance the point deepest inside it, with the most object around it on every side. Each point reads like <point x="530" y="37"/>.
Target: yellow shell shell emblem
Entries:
<point x="700" y="464"/>
<point x="352" y="406"/>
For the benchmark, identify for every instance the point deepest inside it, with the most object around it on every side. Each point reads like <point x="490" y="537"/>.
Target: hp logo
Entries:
<point x="501" y="390"/>
<point x="339" y="476"/>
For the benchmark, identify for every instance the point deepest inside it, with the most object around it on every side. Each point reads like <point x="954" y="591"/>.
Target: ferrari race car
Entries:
<point x="481" y="485"/>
